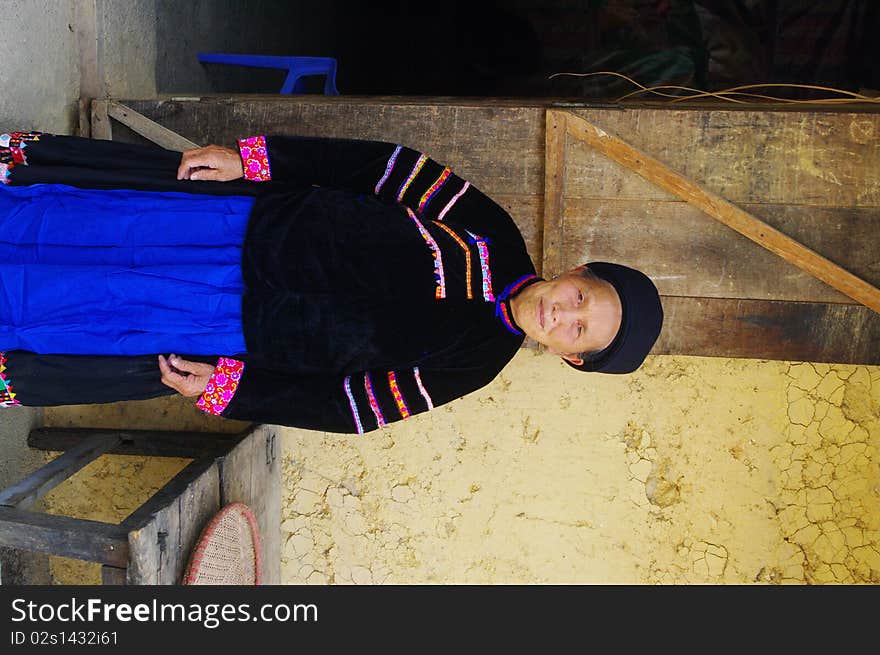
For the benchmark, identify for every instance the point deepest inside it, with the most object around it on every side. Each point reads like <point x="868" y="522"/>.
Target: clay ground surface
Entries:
<point x="690" y="471"/>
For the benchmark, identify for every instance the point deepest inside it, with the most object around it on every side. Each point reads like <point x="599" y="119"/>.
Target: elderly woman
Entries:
<point x="330" y="284"/>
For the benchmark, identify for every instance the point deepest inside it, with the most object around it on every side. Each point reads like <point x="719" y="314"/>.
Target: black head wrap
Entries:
<point x="639" y="325"/>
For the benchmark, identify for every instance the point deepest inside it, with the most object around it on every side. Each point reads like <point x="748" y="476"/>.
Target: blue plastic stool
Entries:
<point x="296" y="67"/>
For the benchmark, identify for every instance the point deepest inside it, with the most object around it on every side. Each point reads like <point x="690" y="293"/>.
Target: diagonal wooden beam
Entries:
<point x="103" y="110"/>
<point x="717" y="207"/>
<point x="23" y="494"/>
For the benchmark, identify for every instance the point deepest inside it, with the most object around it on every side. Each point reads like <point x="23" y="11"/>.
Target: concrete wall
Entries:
<point x="40" y="66"/>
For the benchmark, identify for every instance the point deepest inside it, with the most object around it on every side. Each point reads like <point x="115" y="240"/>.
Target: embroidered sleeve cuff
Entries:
<point x="221" y="386"/>
<point x="255" y="159"/>
<point x="7" y="395"/>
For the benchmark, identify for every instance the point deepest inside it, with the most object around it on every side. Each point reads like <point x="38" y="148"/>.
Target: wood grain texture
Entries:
<point x="801" y="158"/>
<point x="198" y="505"/>
<point x="100" y="121"/>
<point x="23" y="494"/>
<point x="162" y="531"/>
<point x="817" y="170"/>
<point x="723" y="210"/>
<point x="64" y="536"/>
<point x="765" y="329"/>
<point x="251" y="474"/>
<point x="553" y="223"/>
<point x="687" y="253"/>
<point x="155" y="443"/>
<point x="113" y="575"/>
<point x="147" y="128"/>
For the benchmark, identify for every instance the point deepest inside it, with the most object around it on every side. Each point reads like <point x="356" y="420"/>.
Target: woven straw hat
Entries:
<point x="228" y="551"/>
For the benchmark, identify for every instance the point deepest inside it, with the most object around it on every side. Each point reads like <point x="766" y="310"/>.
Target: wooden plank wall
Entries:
<point x="814" y="175"/>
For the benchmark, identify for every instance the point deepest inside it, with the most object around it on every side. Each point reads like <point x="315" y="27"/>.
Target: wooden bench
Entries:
<point x="152" y="545"/>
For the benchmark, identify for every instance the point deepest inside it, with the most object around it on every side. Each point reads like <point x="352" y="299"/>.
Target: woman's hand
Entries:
<point x="210" y="163"/>
<point x="187" y="378"/>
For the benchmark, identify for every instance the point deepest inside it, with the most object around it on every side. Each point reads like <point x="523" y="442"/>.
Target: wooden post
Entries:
<point x="100" y="128"/>
<point x="719" y="208"/>
<point x="113" y="575"/>
<point x="554" y="179"/>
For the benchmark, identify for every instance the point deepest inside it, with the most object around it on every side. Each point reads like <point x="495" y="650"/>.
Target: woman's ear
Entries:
<point x="577" y="360"/>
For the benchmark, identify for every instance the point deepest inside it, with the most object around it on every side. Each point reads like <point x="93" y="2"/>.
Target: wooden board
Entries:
<point x="765" y="329"/>
<point x="814" y="172"/>
<point x="163" y="531"/>
<point x="251" y="474"/>
<point x="653" y="235"/>
<point x="93" y="541"/>
<point x="698" y="195"/>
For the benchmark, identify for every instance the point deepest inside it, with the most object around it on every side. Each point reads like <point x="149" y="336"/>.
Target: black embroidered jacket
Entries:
<point x="376" y="281"/>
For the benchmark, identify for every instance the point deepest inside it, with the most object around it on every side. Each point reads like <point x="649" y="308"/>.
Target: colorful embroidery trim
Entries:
<point x="453" y="201"/>
<point x="483" y="250"/>
<point x="12" y="147"/>
<point x="412" y="175"/>
<point x="374" y="404"/>
<point x="7" y="395"/>
<point x="422" y="389"/>
<point x="515" y="286"/>
<point x="439" y="274"/>
<point x="501" y="310"/>
<point x="221" y="386"/>
<point x="467" y="255"/>
<point x="255" y="159"/>
<point x="388" y="168"/>
<point x="353" y="405"/>
<point x="433" y="189"/>
<point x="398" y="397"/>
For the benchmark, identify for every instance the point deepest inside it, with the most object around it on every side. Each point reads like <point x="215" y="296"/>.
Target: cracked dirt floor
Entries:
<point x="691" y="471"/>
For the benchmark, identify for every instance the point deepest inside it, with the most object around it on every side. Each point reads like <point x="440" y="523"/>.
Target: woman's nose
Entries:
<point x="560" y="313"/>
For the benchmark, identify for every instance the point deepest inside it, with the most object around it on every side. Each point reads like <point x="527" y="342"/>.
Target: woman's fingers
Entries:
<point x="210" y="163"/>
<point x="192" y="379"/>
<point x="195" y="368"/>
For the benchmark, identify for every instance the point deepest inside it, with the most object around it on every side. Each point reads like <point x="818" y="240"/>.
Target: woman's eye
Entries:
<point x="580" y="297"/>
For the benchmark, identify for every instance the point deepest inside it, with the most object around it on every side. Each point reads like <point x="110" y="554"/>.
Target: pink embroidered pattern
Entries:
<point x="255" y="159"/>
<point x="467" y="255"/>
<point x="412" y="175"/>
<point x="453" y="201"/>
<point x="433" y="189"/>
<point x="374" y="404"/>
<point x="439" y="274"/>
<point x="398" y="397"/>
<point x="221" y="386"/>
<point x="388" y="168"/>
<point x="7" y="395"/>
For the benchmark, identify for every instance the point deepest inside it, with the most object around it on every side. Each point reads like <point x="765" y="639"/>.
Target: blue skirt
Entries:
<point x="120" y="272"/>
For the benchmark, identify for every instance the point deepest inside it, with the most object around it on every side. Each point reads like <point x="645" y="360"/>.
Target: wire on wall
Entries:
<point x="736" y="94"/>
